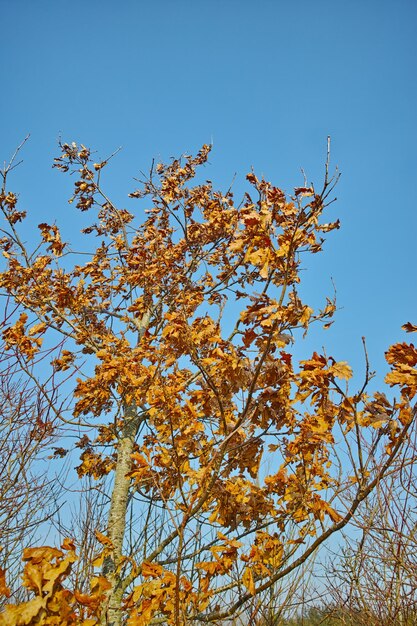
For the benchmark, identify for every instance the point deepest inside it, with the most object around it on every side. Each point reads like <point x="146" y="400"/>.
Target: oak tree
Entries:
<point x="227" y="463"/>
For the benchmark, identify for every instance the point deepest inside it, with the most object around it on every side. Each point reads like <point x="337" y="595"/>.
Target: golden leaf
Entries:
<point x="247" y="580"/>
<point x="24" y="614"/>
<point x="341" y="370"/>
<point x="334" y="516"/>
<point x="305" y="317"/>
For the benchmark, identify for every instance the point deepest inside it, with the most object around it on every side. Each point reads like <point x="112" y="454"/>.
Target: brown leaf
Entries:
<point x="304" y="191"/>
<point x="409" y="328"/>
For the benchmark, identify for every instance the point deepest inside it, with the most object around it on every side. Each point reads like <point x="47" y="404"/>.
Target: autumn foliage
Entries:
<point x="230" y="462"/>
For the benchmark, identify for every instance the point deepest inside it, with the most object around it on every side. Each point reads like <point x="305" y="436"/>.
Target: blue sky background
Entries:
<point x="266" y="82"/>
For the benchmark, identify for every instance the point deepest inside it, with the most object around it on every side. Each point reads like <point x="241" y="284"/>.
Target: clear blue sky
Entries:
<point x="266" y="82"/>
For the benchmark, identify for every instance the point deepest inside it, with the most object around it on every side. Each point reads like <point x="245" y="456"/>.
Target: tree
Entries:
<point x="26" y="502"/>
<point x="375" y="576"/>
<point x="226" y="465"/>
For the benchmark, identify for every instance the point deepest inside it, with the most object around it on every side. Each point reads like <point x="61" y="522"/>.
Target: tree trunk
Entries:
<point x="112" y="615"/>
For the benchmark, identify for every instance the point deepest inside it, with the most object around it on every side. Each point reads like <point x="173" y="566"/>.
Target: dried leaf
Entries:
<point x="247" y="580"/>
<point x="409" y="328"/>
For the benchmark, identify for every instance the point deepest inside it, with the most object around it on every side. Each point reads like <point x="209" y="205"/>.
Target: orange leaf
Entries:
<point x="403" y="353"/>
<point x="68" y="544"/>
<point x="105" y="541"/>
<point x="4" y="590"/>
<point x="151" y="569"/>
